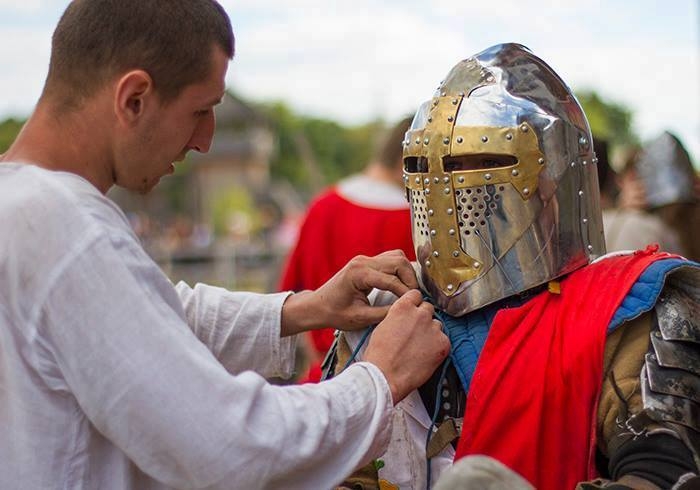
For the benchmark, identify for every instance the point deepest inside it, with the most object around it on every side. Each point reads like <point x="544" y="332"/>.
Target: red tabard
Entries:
<point x="534" y="396"/>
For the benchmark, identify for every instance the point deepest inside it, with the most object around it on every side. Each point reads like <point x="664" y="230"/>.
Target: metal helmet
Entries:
<point x="664" y="167"/>
<point x="501" y="179"/>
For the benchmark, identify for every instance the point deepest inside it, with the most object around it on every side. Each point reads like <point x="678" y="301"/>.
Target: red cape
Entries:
<point x="533" y="399"/>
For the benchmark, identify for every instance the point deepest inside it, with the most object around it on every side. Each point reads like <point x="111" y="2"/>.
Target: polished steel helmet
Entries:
<point x="664" y="167"/>
<point x="501" y="178"/>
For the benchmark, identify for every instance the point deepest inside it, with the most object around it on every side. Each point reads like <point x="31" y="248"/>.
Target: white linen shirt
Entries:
<point x="111" y="378"/>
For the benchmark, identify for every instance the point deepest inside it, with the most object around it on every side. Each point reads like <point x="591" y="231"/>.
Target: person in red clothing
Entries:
<point x="364" y="214"/>
<point x="569" y="367"/>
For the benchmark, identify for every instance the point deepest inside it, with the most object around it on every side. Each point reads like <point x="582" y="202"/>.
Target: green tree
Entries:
<point x="609" y="120"/>
<point x="9" y="129"/>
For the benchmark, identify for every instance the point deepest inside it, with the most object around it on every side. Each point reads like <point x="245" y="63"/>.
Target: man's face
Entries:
<point x="168" y="131"/>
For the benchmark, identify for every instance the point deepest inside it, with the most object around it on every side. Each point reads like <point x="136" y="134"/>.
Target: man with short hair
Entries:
<point x="112" y="378"/>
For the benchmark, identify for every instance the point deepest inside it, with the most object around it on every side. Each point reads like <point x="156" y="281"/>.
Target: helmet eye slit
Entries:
<point x="481" y="161"/>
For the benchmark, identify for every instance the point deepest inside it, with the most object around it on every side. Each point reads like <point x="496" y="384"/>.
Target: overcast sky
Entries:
<point x="361" y="59"/>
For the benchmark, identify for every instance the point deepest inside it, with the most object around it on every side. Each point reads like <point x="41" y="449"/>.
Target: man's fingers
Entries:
<point x="372" y="278"/>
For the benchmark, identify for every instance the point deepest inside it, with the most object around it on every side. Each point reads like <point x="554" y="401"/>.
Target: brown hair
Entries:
<point x="96" y="40"/>
<point x="391" y="150"/>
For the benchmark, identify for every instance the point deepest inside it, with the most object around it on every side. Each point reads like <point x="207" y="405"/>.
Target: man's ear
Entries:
<point x="134" y="91"/>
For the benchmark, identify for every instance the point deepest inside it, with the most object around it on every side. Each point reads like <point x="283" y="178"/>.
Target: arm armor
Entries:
<point x="670" y="377"/>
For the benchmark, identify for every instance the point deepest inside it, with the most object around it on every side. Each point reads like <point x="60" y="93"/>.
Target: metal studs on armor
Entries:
<point x="460" y="139"/>
<point x="450" y="287"/>
<point x="436" y="253"/>
<point x="509" y="136"/>
<point x="446" y="141"/>
<point x="526" y="191"/>
<point x="487" y="176"/>
<point x="541" y="161"/>
<point x="426" y="141"/>
<point x="431" y="212"/>
<point x="585" y="221"/>
<point x="460" y="179"/>
<point x="436" y="180"/>
<point x="451" y="232"/>
<point x="454" y="101"/>
<point x="450" y="211"/>
<point x="485" y="139"/>
<point x="447" y="190"/>
<point x="446" y="179"/>
<point x="515" y="172"/>
<point x="427" y="263"/>
<point x="523" y="128"/>
<point x="477" y="265"/>
<point x="426" y="181"/>
<point x="455" y="254"/>
<point x="433" y="232"/>
<point x="450" y="118"/>
<point x="580" y="193"/>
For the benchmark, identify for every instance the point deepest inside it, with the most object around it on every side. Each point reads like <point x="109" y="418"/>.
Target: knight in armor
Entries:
<point x="570" y="367"/>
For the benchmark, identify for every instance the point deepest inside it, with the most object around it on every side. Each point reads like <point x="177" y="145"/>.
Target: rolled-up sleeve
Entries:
<point x="118" y="336"/>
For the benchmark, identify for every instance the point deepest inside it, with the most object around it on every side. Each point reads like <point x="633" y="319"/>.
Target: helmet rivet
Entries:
<point x="418" y="141"/>
<point x="523" y="128"/>
<point x="426" y="181"/>
<point x="573" y="164"/>
<point x="446" y="140"/>
<point x="450" y="118"/>
<point x="580" y="193"/>
<point x="443" y="94"/>
<point x="436" y="254"/>
<point x="455" y="253"/>
<point x="427" y="263"/>
<point x="450" y="211"/>
<point x="459" y="139"/>
<point x="484" y="139"/>
<point x="541" y="161"/>
<point x="446" y="179"/>
<point x="451" y="232"/>
<point x="594" y="160"/>
<point x="460" y="179"/>
<point x="461" y="94"/>
<point x="426" y="141"/>
<point x="515" y="172"/>
<point x="526" y="191"/>
<point x="477" y="265"/>
<point x="454" y="101"/>
<point x="583" y="140"/>
<point x="430" y="119"/>
<point x="585" y="162"/>
<point x="509" y="136"/>
<point x="436" y="180"/>
<point x="487" y="176"/>
<point x="450" y="287"/>
<point x="447" y="190"/>
<point x="590" y="248"/>
<point x="585" y="221"/>
<point x="433" y="232"/>
<point x="427" y="191"/>
<point x="431" y="212"/>
<point x="417" y="180"/>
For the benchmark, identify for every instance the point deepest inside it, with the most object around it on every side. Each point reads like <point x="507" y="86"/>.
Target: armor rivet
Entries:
<point x="590" y="248"/>
<point x="583" y="140"/>
<point x="573" y="164"/>
<point x="657" y="334"/>
<point x="445" y="393"/>
<point x="447" y="190"/>
<point x="585" y="221"/>
<point x="484" y="139"/>
<point x="585" y="162"/>
<point x="431" y="212"/>
<point x="433" y="232"/>
<point x="426" y="141"/>
<point x="459" y="139"/>
<point x="417" y="180"/>
<point x="446" y="179"/>
<point x="427" y="263"/>
<point x="461" y="94"/>
<point x="450" y="118"/>
<point x="450" y="211"/>
<point x="418" y="141"/>
<point x="580" y="193"/>
<point x="477" y="265"/>
<point x="515" y="172"/>
<point x="443" y="94"/>
<point x="450" y="287"/>
<point x="455" y="253"/>
<point x="436" y="180"/>
<point x="523" y="128"/>
<point x="487" y="176"/>
<point x="595" y="160"/>
<point x="446" y="406"/>
<point x="436" y="254"/>
<point x="454" y="101"/>
<point x="460" y="179"/>
<point x="446" y="140"/>
<point x="430" y="119"/>
<point x="426" y="181"/>
<point x="541" y="161"/>
<point x="451" y="232"/>
<point x="509" y="136"/>
<point x="489" y="79"/>
<point x="526" y="191"/>
<point x="427" y="191"/>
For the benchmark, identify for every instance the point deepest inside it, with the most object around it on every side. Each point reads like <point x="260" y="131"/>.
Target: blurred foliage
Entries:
<point x="312" y="152"/>
<point x="608" y="120"/>
<point x="233" y="211"/>
<point x="9" y="129"/>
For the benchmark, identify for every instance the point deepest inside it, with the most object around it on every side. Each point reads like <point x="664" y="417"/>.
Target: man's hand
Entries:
<point x="408" y="346"/>
<point x="342" y="302"/>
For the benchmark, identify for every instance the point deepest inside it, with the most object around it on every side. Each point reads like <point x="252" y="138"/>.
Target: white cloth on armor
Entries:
<point x="112" y="378"/>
